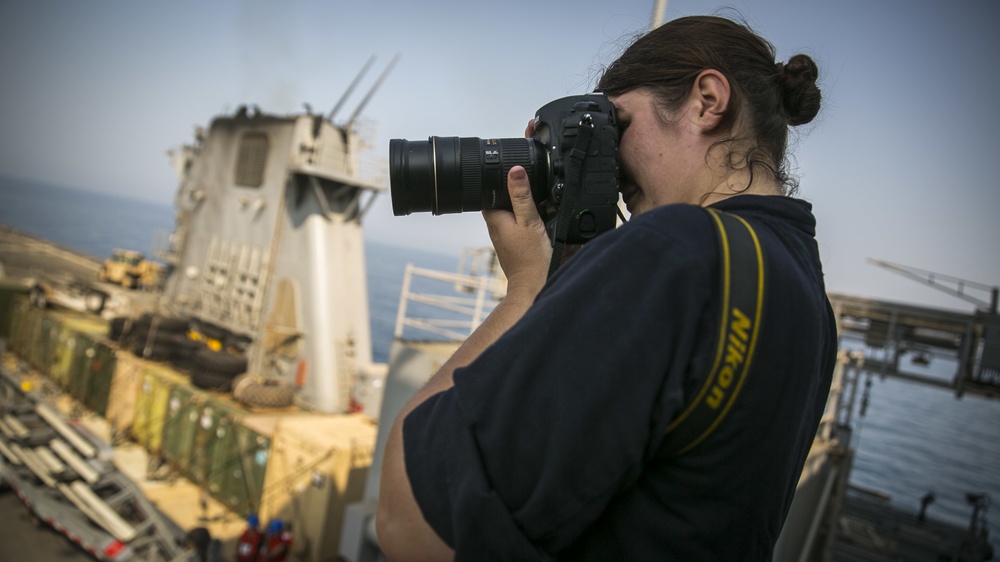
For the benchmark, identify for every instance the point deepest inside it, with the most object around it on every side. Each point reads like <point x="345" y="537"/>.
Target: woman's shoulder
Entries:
<point x="672" y="223"/>
<point x="682" y="211"/>
<point x="674" y="245"/>
<point x="672" y="235"/>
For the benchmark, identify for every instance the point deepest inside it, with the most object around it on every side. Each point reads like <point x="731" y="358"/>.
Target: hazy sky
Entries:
<point x="900" y="165"/>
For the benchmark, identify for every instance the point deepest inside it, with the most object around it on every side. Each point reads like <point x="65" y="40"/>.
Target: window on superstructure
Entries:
<point x="250" y="160"/>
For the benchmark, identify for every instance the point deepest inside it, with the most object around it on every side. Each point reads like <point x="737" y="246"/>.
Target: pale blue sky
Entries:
<point x="900" y="165"/>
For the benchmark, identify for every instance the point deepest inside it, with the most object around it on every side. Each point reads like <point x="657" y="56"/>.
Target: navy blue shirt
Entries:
<point x="547" y="446"/>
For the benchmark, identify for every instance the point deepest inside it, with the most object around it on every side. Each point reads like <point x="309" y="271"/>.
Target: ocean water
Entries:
<point x="912" y="440"/>
<point x="916" y="439"/>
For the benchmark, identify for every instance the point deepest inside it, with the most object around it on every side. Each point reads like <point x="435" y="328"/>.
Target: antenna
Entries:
<point x="371" y="92"/>
<point x="350" y="88"/>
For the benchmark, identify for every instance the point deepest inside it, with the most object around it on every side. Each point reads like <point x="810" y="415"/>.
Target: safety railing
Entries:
<point x="443" y="306"/>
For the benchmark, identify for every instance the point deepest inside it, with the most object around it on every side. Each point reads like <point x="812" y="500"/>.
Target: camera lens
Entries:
<point x="453" y="174"/>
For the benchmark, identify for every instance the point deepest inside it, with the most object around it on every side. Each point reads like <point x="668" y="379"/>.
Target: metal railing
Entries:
<point x="443" y="305"/>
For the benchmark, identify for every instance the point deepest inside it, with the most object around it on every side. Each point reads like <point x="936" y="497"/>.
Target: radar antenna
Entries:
<point x="354" y="84"/>
<point x="368" y="97"/>
<point x="951" y="285"/>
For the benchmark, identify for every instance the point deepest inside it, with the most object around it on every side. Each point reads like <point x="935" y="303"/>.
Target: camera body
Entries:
<point x="592" y="205"/>
<point x="571" y="162"/>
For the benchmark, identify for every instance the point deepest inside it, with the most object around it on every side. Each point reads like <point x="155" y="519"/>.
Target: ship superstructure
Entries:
<point x="269" y="247"/>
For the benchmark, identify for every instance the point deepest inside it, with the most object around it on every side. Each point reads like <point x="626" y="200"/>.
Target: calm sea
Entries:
<point x="913" y="439"/>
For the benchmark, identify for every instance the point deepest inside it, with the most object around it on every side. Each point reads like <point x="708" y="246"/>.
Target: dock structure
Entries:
<point x="895" y="334"/>
<point x="832" y="520"/>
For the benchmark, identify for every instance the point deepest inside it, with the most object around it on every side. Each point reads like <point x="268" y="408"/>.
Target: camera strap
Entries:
<point x="742" y="293"/>
<point x="567" y="204"/>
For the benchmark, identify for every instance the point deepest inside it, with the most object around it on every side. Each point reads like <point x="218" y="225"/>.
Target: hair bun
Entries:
<point x="799" y="92"/>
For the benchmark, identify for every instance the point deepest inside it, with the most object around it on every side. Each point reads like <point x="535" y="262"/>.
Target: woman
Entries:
<point x="542" y="438"/>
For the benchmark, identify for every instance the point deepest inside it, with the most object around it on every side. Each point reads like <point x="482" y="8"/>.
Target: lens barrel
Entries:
<point x="457" y="174"/>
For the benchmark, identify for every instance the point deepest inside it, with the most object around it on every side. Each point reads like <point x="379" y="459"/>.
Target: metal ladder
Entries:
<point x="65" y="475"/>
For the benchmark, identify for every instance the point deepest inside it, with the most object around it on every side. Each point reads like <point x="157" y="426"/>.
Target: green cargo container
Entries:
<point x="81" y="332"/>
<point x="151" y="408"/>
<point x="215" y="413"/>
<point x="15" y="338"/>
<point x="180" y="428"/>
<point x="19" y="326"/>
<point x="101" y="363"/>
<point x="37" y="335"/>
<point x="79" y="374"/>
<point x="65" y="354"/>
<point x="238" y="461"/>
<point x="10" y="295"/>
<point x="73" y="341"/>
<point x="30" y="330"/>
<point x="43" y="352"/>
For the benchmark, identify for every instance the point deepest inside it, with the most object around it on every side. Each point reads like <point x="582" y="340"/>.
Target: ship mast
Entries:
<point x="659" y="11"/>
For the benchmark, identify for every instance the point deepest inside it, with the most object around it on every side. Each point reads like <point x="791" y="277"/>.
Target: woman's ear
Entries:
<point x="710" y="99"/>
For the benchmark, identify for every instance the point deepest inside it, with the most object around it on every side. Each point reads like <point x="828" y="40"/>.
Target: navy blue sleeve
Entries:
<point x="559" y="415"/>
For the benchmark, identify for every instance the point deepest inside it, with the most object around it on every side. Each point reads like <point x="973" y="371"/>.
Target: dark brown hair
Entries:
<point x="767" y="96"/>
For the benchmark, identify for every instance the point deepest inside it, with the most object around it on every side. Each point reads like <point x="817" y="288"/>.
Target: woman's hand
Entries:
<point x="519" y="238"/>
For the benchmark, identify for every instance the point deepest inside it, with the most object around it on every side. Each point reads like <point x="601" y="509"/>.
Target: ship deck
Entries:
<point x="869" y="528"/>
<point x="24" y="256"/>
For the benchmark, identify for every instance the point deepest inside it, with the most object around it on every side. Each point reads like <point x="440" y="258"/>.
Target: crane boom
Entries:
<point x="952" y="285"/>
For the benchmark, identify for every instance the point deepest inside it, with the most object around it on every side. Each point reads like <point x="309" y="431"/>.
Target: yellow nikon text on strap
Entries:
<point x="736" y="355"/>
<point x="742" y="294"/>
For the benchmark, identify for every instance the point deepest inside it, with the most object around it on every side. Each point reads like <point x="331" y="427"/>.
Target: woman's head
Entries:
<point x="765" y="97"/>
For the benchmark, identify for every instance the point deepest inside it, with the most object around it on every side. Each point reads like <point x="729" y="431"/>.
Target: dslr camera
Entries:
<point x="571" y="162"/>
